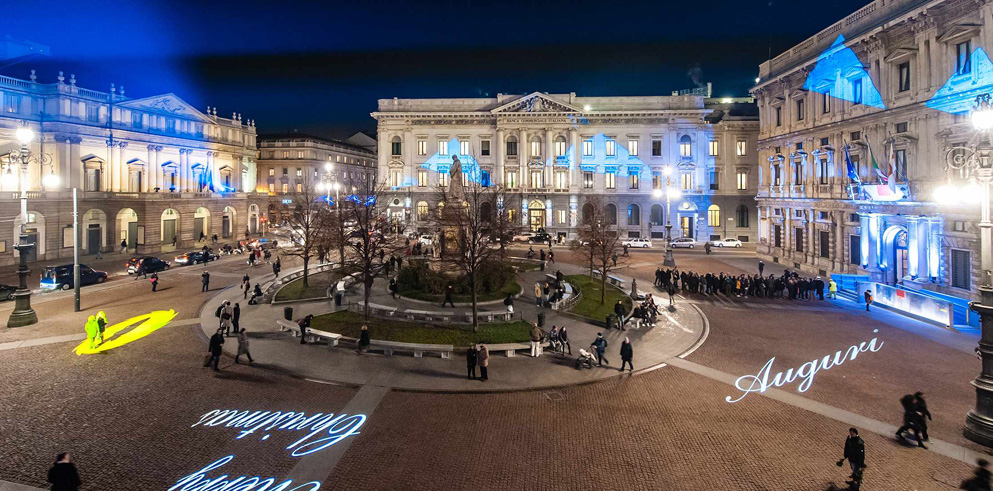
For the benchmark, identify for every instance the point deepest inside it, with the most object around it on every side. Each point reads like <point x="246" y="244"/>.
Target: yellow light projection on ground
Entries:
<point x="146" y="324"/>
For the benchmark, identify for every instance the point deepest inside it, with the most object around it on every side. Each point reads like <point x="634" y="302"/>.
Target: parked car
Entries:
<point x="523" y="237"/>
<point x="641" y="243"/>
<point x="425" y="240"/>
<point x="540" y="237"/>
<point x="151" y="265"/>
<point x="7" y="292"/>
<point x="686" y="242"/>
<point x="729" y="242"/>
<point x="194" y="257"/>
<point x="61" y="277"/>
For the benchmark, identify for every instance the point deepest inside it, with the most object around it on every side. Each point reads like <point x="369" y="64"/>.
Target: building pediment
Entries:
<point x="959" y="32"/>
<point x="900" y="55"/>
<point x="167" y="104"/>
<point x="536" y="102"/>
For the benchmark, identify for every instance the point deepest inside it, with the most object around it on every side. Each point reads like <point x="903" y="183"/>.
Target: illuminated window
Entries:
<point x="442" y="147"/>
<point x="560" y="147"/>
<point x="797" y="173"/>
<point x="272" y="172"/>
<point x="799" y="110"/>
<point x="824" y="171"/>
<point x="656" y="180"/>
<point x="422" y="210"/>
<point x="587" y="148"/>
<point x="713" y="148"/>
<point x="484" y="148"/>
<point x="903" y="71"/>
<point x="465" y="178"/>
<point x="422" y="147"/>
<point x="272" y="187"/>
<point x="562" y="217"/>
<point x="443" y="179"/>
<point x="512" y="146"/>
<point x="686" y="180"/>
<point x="587" y="180"/>
<point x="561" y="179"/>
<point x="536" y="149"/>
<point x="12" y="104"/>
<point x="742" y="180"/>
<point x="826" y="103"/>
<point x="136" y="120"/>
<point x="511" y="179"/>
<point x="422" y="178"/>
<point x="511" y="215"/>
<point x="741" y="148"/>
<point x="484" y="178"/>
<point x="396" y="147"/>
<point x="285" y="188"/>
<point x="685" y="146"/>
<point x="963" y="63"/>
<point x="633" y="178"/>
<point x="300" y="154"/>
<point x="299" y="188"/>
<point x="714" y="216"/>
<point x="633" y="147"/>
<point x="656" y="148"/>
<point x="396" y="179"/>
<point x="611" y="148"/>
<point x="463" y="147"/>
<point x="299" y="172"/>
<point x="610" y="180"/>
<point x="536" y="179"/>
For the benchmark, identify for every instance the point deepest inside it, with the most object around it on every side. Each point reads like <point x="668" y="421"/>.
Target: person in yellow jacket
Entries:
<point x="101" y="325"/>
<point x="92" y="331"/>
<point x="832" y="290"/>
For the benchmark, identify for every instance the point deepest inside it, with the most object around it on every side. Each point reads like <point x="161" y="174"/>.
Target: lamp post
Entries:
<point x="670" y="192"/>
<point x="329" y="182"/>
<point x="974" y="165"/>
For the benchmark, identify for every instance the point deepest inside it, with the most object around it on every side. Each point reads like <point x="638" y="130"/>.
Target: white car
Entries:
<point x="523" y="237"/>
<point x="642" y="243"/>
<point x="426" y="240"/>
<point x="729" y="242"/>
<point x="687" y="242"/>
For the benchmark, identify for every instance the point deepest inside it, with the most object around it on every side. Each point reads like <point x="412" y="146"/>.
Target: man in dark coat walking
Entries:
<point x="920" y="405"/>
<point x="600" y="345"/>
<point x="215" y="348"/>
<point x="470" y="362"/>
<point x="627" y="353"/>
<point x="204" y="281"/>
<point x="911" y="420"/>
<point x="448" y="296"/>
<point x="63" y="474"/>
<point x="619" y="311"/>
<point x="981" y="478"/>
<point x="855" y="453"/>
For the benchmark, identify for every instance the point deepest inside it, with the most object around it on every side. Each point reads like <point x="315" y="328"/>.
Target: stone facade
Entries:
<point x="551" y="151"/>
<point x="149" y="170"/>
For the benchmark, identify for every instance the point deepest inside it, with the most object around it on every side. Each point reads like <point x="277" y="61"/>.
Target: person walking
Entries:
<point x="101" y="326"/>
<point x="483" y="359"/>
<point x="92" y="330"/>
<point x="868" y="299"/>
<point x="246" y="286"/>
<point x="920" y="405"/>
<point x="124" y="246"/>
<point x="855" y="453"/>
<point x="140" y="271"/>
<point x="614" y="258"/>
<point x="215" y="348"/>
<point x="564" y="339"/>
<point x="832" y="289"/>
<point x="535" y="341"/>
<point x="448" y="296"/>
<point x="819" y="287"/>
<point x="393" y="288"/>
<point x="551" y="255"/>
<point x="364" y="340"/>
<point x="275" y="269"/>
<point x="235" y="316"/>
<point x="671" y="290"/>
<point x="600" y="345"/>
<point x="63" y="474"/>
<point x="204" y="281"/>
<point x="509" y="303"/>
<point x="155" y="282"/>
<point x="243" y="345"/>
<point x="911" y="420"/>
<point x="470" y="362"/>
<point x="980" y="480"/>
<point x="761" y="267"/>
<point x="627" y="353"/>
<point x="619" y="311"/>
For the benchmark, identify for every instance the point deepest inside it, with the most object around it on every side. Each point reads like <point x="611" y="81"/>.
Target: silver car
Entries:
<point x="686" y="242"/>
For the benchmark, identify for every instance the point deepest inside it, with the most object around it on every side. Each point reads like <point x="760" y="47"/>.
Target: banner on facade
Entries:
<point x="882" y="192"/>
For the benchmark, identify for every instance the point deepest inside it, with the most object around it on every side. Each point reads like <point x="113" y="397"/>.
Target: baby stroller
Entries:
<point x="586" y="359"/>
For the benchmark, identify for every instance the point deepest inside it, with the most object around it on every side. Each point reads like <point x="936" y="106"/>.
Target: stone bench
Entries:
<point x="509" y="349"/>
<point x="613" y="280"/>
<point x="568" y="298"/>
<point x="388" y="347"/>
<point x="490" y="316"/>
<point x="313" y="335"/>
<point x="424" y="315"/>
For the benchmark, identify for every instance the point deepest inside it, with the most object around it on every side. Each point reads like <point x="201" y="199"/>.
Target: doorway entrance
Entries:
<point x="536" y="215"/>
<point x="686" y="225"/>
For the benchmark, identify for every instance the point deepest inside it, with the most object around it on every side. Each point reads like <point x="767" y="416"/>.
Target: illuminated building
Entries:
<point x="896" y="77"/>
<point x="287" y="162"/>
<point x="552" y="151"/>
<point x="149" y="170"/>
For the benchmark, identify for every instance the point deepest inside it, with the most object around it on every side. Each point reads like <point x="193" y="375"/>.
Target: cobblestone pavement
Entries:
<point x="126" y="415"/>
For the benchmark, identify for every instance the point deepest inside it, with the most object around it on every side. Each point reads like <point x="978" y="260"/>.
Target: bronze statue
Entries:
<point x="455" y="191"/>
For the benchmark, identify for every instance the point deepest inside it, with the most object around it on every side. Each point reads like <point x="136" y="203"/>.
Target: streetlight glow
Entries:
<point x="982" y="115"/>
<point x="657" y="193"/>
<point x="667" y="171"/>
<point x="9" y="178"/>
<point x="50" y="180"/>
<point x="675" y="193"/>
<point x="24" y="135"/>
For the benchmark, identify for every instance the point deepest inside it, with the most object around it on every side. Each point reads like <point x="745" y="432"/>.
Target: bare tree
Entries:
<point x="368" y="235"/>
<point x="307" y="220"/>
<point x="598" y="239"/>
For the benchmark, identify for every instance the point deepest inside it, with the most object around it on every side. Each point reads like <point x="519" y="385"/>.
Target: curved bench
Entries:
<point x="509" y="349"/>
<point x="389" y="347"/>
<point x="313" y="335"/>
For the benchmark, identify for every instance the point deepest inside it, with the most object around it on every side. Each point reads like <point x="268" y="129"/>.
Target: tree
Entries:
<point x="367" y="237"/>
<point x="474" y="228"/>
<point x="307" y="220"/>
<point x="598" y="239"/>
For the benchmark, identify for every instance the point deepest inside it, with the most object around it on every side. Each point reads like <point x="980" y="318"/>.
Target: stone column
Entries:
<point x="408" y="152"/>
<point x="549" y="170"/>
<point x="159" y="176"/>
<point x="150" y="170"/>
<point x="75" y="164"/>
<point x="523" y="147"/>
<point x="183" y="171"/>
<point x="498" y="172"/>
<point x="106" y="170"/>
<point x="838" y="253"/>
<point x="573" y="158"/>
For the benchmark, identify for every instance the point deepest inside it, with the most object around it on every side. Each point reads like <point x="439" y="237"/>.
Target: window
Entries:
<point x="512" y="147"/>
<point x="422" y="178"/>
<point x="537" y="180"/>
<point x="12" y="104"/>
<point x="299" y="172"/>
<point x="422" y="210"/>
<point x="901" y="127"/>
<point x="714" y="216"/>
<point x="798" y="239"/>
<point x="464" y="147"/>
<point x="777" y="178"/>
<point x="824" y="171"/>
<point x="741" y="216"/>
<point x="855" y="135"/>
<point x="777" y="234"/>
<point x="799" y="109"/>
<point x="857" y="91"/>
<point x="443" y="179"/>
<point x="512" y="215"/>
<point x="822" y="215"/>
<point x="825" y="141"/>
<point x="561" y="179"/>
<point x="742" y="180"/>
<point x="686" y="180"/>
<point x="656" y="148"/>
<point x="484" y="148"/>
<point x="963" y="62"/>
<point x="299" y="187"/>
<point x="825" y="103"/>
<point x="422" y="147"/>
<point x="272" y="187"/>
<point x="396" y="147"/>
<point x="272" y="172"/>
<point x="92" y="111"/>
<point x="511" y="179"/>
<point x="611" y="148"/>
<point x="536" y="149"/>
<point x="610" y="214"/>
<point x="562" y="217"/>
<point x="798" y="174"/>
<point x="300" y="154"/>
<point x="587" y="180"/>
<point x="396" y="178"/>
<point x="712" y="148"/>
<point x="286" y="171"/>
<point x="136" y="120"/>
<point x="610" y="180"/>
<point x="634" y="215"/>
<point x="901" y="165"/>
<point x="825" y="243"/>
<point x="685" y="146"/>
<point x="285" y="188"/>
<point x="633" y="147"/>
<point x="587" y="148"/>
<point x="961" y="269"/>
<point x="442" y="147"/>
<point x="741" y="148"/>
<point x="779" y="116"/>
<point x="714" y="184"/>
<point x="633" y="179"/>
<point x="657" y="216"/>
<point x="904" y="77"/>
<point x="484" y="178"/>
<point x="855" y="249"/>
<point x="560" y="147"/>
<point x="958" y="226"/>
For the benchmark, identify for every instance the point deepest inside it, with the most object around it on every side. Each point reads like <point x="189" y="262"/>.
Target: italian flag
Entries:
<point x="883" y="177"/>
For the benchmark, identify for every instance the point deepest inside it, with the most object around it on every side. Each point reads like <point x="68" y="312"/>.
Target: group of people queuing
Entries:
<point x="789" y="285"/>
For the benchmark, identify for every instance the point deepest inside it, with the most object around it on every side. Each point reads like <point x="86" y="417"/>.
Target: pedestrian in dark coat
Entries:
<point x="63" y="474"/>
<point x="155" y="281"/>
<point x="920" y="405"/>
<point x="911" y="420"/>
<point x="619" y="311"/>
<point x="304" y="324"/>
<point x="448" y="296"/>
<point x="980" y="480"/>
<point x="819" y="287"/>
<point x="363" y="339"/>
<point x="671" y="290"/>
<point x="483" y="358"/>
<point x="868" y="299"/>
<point x="564" y="339"/>
<point x="204" y="281"/>
<point x="600" y="345"/>
<point x="855" y="453"/>
<point x="215" y="348"/>
<point x="243" y="345"/>
<point x="470" y="362"/>
<point x="235" y="315"/>
<point x="627" y="353"/>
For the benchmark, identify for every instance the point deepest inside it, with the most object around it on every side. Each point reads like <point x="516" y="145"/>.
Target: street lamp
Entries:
<point x="974" y="164"/>
<point x="670" y="192"/>
<point x="329" y="182"/>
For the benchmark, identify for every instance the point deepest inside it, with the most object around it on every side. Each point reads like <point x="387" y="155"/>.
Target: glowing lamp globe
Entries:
<point x="944" y="194"/>
<point x="675" y="193"/>
<point x="24" y="135"/>
<point x="50" y="181"/>
<point x="982" y="118"/>
<point x="667" y="171"/>
<point x="657" y="193"/>
<point x="9" y="179"/>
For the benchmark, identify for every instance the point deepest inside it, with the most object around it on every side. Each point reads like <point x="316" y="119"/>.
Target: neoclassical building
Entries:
<point x="151" y="171"/>
<point x="893" y="81"/>
<point x="551" y="151"/>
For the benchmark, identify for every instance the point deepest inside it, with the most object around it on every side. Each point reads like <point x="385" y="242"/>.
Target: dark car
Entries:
<point x="540" y="237"/>
<point x="60" y="277"/>
<point x="7" y="292"/>
<point x="194" y="257"/>
<point x="151" y="265"/>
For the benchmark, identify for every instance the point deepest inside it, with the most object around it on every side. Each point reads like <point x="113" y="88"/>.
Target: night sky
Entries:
<point x="318" y="67"/>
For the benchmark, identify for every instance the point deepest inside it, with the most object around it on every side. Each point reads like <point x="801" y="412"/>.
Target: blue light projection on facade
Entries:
<point x="958" y="94"/>
<point x="441" y="163"/>
<point x="839" y="73"/>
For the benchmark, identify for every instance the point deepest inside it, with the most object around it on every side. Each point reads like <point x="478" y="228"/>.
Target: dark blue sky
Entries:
<point x="320" y="66"/>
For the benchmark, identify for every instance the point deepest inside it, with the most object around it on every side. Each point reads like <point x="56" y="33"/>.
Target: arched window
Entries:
<point x="714" y="216"/>
<point x="587" y="212"/>
<point x="560" y="146"/>
<point x="512" y="146"/>
<point x="685" y="146"/>
<point x="396" y="146"/>
<point x="485" y="211"/>
<point x="610" y="214"/>
<point x="535" y="149"/>
<point x="634" y="214"/>
<point x="422" y="210"/>
<point x="742" y="217"/>
<point x="658" y="216"/>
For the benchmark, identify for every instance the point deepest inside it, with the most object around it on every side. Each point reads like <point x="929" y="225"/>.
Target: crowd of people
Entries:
<point x="789" y="285"/>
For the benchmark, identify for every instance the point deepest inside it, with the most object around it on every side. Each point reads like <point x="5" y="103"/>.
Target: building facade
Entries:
<point x="552" y="151"/>
<point x="154" y="171"/>
<point x="891" y="83"/>
<point x="288" y="162"/>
